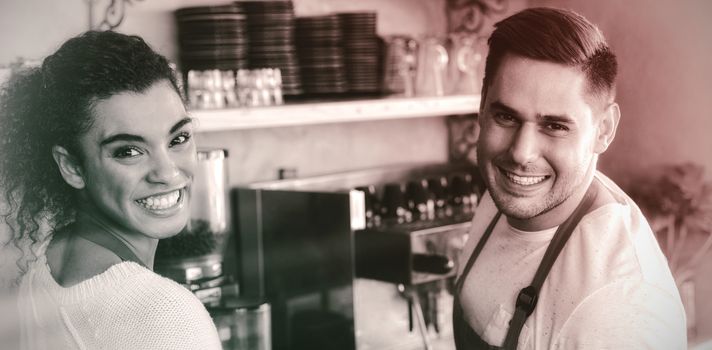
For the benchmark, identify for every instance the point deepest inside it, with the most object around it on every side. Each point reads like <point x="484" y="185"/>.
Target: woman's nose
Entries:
<point x="524" y="148"/>
<point x="164" y="170"/>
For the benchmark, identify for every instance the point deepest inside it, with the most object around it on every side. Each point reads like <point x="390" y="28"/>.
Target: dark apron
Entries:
<point x="465" y="337"/>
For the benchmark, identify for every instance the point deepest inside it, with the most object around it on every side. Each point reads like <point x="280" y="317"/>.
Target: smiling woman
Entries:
<point x="137" y="162"/>
<point x="97" y="143"/>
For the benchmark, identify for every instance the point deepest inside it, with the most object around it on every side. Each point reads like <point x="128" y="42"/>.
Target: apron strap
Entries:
<point x="528" y="296"/>
<point x="480" y="245"/>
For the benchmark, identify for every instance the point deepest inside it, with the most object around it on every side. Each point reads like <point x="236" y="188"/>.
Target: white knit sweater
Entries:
<point x="125" y="307"/>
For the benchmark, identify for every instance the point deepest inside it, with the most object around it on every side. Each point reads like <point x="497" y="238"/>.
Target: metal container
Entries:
<point x="243" y="324"/>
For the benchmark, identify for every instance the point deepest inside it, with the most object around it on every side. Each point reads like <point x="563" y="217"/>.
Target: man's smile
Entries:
<point x="519" y="184"/>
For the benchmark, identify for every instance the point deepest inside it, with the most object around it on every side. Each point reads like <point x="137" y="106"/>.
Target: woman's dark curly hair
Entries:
<point x="52" y="105"/>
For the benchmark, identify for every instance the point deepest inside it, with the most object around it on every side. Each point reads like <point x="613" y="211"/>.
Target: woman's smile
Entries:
<point x="163" y="204"/>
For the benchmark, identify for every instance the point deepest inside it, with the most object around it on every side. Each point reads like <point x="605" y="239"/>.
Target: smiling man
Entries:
<point x="559" y="257"/>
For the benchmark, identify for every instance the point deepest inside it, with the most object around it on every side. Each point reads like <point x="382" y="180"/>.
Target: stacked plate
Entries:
<point x="270" y="29"/>
<point x="362" y="51"/>
<point x="212" y="37"/>
<point x="321" y="56"/>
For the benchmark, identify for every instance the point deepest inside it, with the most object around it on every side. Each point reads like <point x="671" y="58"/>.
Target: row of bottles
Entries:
<point x="426" y="199"/>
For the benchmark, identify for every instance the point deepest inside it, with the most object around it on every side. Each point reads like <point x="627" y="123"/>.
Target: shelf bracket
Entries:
<point x="113" y="14"/>
<point x="468" y="15"/>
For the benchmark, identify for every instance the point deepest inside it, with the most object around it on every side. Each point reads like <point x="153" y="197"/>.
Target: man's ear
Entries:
<point x="607" y="125"/>
<point x="69" y="167"/>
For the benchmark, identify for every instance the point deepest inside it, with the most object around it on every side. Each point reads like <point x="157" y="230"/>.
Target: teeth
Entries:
<point x="164" y="201"/>
<point x="525" y="180"/>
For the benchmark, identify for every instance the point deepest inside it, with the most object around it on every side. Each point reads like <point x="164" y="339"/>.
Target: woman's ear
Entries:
<point x="69" y="167"/>
<point x="607" y="125"/>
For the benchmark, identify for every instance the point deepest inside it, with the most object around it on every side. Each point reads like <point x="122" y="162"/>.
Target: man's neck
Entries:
<point x="556" y="215"/>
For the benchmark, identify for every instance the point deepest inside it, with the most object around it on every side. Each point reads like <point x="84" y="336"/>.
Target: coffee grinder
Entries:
<point x="194" y="257"/>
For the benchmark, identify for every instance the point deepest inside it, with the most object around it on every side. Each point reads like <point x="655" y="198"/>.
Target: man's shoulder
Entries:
<point x="618" y="224"/>
<point x="615" y="242"/>
<point x="626" y="314"/>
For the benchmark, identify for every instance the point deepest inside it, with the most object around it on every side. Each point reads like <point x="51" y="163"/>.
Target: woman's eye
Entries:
<point x="127" y="152"/>
<point x="180" y="139"/>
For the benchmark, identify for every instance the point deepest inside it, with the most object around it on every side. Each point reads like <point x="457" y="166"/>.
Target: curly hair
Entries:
<point x="52" y="105"/>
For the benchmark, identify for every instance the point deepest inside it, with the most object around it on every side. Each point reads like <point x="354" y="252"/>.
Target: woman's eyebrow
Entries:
<point x="121" y="137"/>
<point x="136" y="138"/>
<point x="180" y="124"/>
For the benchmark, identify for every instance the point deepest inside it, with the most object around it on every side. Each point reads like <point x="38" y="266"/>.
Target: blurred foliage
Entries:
<point x="677" y="190"/>
<point x="677" y="201"/>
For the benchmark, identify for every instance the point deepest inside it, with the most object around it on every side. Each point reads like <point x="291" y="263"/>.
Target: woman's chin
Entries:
<point x="161" y="229"/>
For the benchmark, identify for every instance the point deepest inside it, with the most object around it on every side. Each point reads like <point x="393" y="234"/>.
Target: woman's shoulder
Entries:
<point x="169" y="314"/>
<point x="140" y="280"/>
<point x="157" y="293"/>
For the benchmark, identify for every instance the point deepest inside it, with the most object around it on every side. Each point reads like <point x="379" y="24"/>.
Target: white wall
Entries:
<point x="35" y="28"/>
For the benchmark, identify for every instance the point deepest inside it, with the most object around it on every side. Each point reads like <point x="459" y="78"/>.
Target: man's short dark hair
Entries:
<point x="557" y="36"/>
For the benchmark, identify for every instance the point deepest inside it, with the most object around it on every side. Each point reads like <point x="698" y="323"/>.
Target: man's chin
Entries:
<point x="519" y="213"/>
<point x="516" y="208"/>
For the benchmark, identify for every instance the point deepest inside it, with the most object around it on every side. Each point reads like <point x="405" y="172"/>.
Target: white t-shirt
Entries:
<point x="610" y="287"/>
<point x="125" y="307"/>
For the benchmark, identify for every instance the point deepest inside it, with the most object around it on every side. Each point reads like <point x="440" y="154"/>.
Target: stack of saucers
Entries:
<point x="212" y="37"/>
<point x="321" y="56"/>
<point x="270" y="29"/>
<point x="362" y="51"/>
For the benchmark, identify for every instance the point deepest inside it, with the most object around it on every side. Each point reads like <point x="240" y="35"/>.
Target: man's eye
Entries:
<point x="504" y="118"/>
<point x="180" y="139"/>
<point x="556" y="127"/>
<point x="127" y="152"/>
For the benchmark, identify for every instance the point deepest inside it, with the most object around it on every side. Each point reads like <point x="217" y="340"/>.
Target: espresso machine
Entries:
<point x="295" y="251"/>
<point x="302" y="245"/>
<point x="418" y="227"/>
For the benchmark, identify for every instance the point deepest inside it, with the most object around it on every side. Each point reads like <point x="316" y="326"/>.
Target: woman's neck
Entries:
<point x="93" y="221"/>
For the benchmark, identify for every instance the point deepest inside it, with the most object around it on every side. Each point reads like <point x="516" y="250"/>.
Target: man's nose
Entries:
<point x="525" y="148"/>
<point x="164" y="170"/>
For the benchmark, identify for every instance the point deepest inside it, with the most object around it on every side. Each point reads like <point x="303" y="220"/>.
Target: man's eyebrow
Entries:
<point x="552" y="118"/>
<point x="180" y="124"/>
<point x="121" y="137"/>
<point x="503" y="107"/>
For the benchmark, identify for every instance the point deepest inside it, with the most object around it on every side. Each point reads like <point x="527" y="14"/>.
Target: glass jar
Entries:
<point x="196" y="253"/>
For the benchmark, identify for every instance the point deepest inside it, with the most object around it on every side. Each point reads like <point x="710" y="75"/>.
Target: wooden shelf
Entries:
<point x="334" y="112"/>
